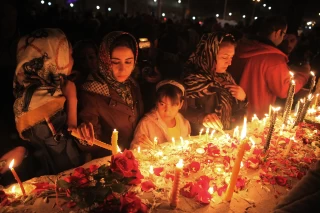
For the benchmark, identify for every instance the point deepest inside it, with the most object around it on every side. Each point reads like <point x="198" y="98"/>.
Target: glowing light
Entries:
<point x="49" y="3"/>
<point x="98" y="7"/>
<point x="163" y="14"/>
<point x="42" y="2"/>
<point x="230" y="14"/>
<point x="109" y="9"/>
<point x="217" y="15"/>
<point x="244" y="16"/>
<point x="71" y="5"/>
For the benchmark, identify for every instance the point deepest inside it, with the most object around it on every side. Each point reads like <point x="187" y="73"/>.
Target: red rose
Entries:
<point x="124" y="163"/>
<point x="281" y="181"/>
<point x="130" y="203"/>
<point x="93" y="168"/>
<point x="189" y="190"/>
<point x="194" y="166"/>
<point x="147" y="186"/>
<point x="79" y="172"/>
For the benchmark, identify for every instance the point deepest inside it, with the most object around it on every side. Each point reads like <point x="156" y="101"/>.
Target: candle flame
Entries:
<point x="293" y="82"/>
<point x="114" y="130"/>
<point x="201" y="131"/>
<point x="310" y="96"/>
<point x="276" y="109"/>
<point x="212" y="132"/>
<point x="155" y="140"/>
<point x="252" y="141"/>
<point x="207" y="131"/>
<point x="13" y="189"/>
<point x="138" y="149"/>
<point x="119" y="150"/>
<point x="254" y="117"/>
<point x="180" y="164"/>
<point x="241" y="165"/>
<point x="312" y="73"/>
<point x="292" y="74"/>
<point x="11" y="164"/>
<point x="244" y="128"/>
<point x="151" y="170"/>
<point x="173" y="140"/>
<point x="210" y="190"/>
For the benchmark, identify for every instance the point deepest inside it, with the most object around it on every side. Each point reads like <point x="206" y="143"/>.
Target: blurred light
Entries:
<point x="109" y="9"/>
<point x="264" y="5"/>
<point x="310" y="27"/>
<point x="49" y="3"/>
<point x="309" y="22"/>
<point x="155" y="0"/>
<point x="193" y="17"/>
<point x="179" y="1"/>
<point x="98" y="7"/>
<point x="230" y="14"/>
<point x="319" y="14"/>
<point x="42" y="2"/>
<point x="244" y="16"/>
<point x="269" y="8"/>
<point x="200" y="23"/>
<point x="217" y="15"/>
<point x="71" y="5"/>
<point x="163" y="14"/>
<point x="255" y="18"/>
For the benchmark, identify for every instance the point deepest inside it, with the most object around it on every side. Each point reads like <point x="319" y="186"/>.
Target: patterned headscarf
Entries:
<point x="201" y="79"/>
<point x="42" y="57"/>
<point x="100" y="82"/>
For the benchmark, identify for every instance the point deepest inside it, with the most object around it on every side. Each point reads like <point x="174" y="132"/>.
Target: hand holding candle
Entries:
<point x="17" y="178"/>
<point x="176" y="183"/>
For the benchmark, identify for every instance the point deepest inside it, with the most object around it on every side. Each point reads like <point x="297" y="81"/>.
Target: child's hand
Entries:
<point x="237" y="92"/>
<point x="144" y="141"/>
<point x="85" y="132"/>
<point x="212" y="121"/>
<point x="68" y="89"/>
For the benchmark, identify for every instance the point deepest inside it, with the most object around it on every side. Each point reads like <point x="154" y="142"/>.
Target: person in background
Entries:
<point x="164" y="121"/>
<point x="110" y="99"/>
<point x="263" y="67"/>
<point x="85" y="54"/>
<point x="214" y="99"/>
<point x="45" y="101"/>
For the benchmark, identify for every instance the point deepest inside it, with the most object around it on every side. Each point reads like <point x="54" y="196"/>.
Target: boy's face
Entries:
<point x="167" y="109"/>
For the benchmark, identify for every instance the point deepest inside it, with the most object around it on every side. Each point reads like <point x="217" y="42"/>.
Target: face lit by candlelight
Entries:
<point x="224" y="56"/>
<point x="167" y="109"/>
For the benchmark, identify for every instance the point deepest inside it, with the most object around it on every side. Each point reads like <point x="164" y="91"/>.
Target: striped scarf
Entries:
<point x="202" y="80"/>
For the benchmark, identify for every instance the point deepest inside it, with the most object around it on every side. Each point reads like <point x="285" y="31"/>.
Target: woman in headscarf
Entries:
<point x="110" y="99"/>
<point x="45" y="101"/>
<point x="213" y="96"/>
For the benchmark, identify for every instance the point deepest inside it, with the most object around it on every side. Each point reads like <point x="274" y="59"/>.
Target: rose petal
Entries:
<point x="158" y="170"/>
<point x="147" y="186"/>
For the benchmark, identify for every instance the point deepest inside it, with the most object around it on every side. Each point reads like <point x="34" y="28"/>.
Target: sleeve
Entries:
<point x="141" y="129"/>
<point x="88" y="111"/>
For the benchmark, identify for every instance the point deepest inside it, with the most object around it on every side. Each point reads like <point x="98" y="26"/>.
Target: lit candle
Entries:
<point x="236" y="132"/>
<point x="285" y="154"/>
<point x="315" y="102"/>
<point x="176" y="183"/>
<point x="254" y="118"/>
<point x="173" y="141"/>
<point x="155" y="142"/>
<point x="291" y="75"/>
<point x="313" y="81"/>
<point x="237" y="163"/>
<point x="212" y="132"/>
<point x="252" y="147"/>
<point x="273" y="120"/>
<point x="17" y="178"/>
<point x="181" y="141"/>
<point x="289" y="102"/>
<point x="114" y="142"/>
<point x="299" y="111"/>
<point x="210" y="190"/>
<point x="305" y="108"/>
<point x="139" y="149"/>
<point x="207" y="134"/>
<point x="151" y="172"/>
<point x="200" y="133"/>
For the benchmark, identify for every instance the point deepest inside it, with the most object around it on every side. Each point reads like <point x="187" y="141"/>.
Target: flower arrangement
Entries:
<point x="106" y="188"/>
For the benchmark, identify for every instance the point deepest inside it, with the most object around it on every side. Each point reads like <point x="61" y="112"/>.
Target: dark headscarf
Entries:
<point x="202" y="80"/>
<point x="100" y="81"/>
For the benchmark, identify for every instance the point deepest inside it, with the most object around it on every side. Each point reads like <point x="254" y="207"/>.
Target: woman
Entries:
<point x="213" y="96"/>
<point x="46" y="102"/>
<point x="164" y="121"/>
<point x="110" y="99"/>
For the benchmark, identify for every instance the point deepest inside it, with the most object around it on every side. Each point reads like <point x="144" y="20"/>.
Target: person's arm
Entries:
<point x="141" y="136"/>
<point x="70" y="92"/>
<point x="18" y="154"/>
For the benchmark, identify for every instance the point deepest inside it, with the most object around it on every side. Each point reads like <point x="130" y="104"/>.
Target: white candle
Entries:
<point x="173" y="141"/>
<point x="285" y="154"/>
<point x="176" y="183"/>
<point x="200" y="133"/>
<point x="139" y="149"/>
<point x="114" y="142"/>
<point x="15" y="175"/>
<point x="212" y="132"/>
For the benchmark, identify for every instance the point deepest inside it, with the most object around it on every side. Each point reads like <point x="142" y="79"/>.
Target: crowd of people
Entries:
<point x="186" y="78"/>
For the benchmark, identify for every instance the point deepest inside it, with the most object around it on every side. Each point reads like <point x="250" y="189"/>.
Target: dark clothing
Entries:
<point x="109" y="113"/>
<point x="305" y="196"/>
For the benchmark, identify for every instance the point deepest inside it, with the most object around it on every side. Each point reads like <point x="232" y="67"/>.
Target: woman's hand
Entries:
<point x="237" y="92"/>
<point x="17" y="154"/>
<point x="212" y="121"/>
<point x="68" y="89"/>
<point x="143" y="141"/>
<point x="85" y="132"/>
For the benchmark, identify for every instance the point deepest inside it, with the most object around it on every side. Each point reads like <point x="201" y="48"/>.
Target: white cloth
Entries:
<point x="153" y="126"/>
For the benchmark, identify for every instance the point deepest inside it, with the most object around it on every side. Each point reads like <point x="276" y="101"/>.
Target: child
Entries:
<point x="164" y="121"/>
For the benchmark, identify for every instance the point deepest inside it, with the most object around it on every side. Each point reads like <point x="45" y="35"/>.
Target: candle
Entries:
<point x="315" y="102"/>
<point x="151" y="172"/>
<point x="305" y="108"/>
<point x="253" y="146"/>
<point x="313" y="81"/>
<point x="17" y="178"/>
<point x="289" y="102"/>
<point x="114" y="142"/>
<point x="299" y="111"/>
<point x="285" y="154"/>
<point x="155" y="142"/>
<point x="271" y="127"/>
<point x="254" y="118"/>
<point x="210" y="190"/>
<point x="95" y="141"/>
<point x="181" y="141"/>
<point x="200" y="133"/>
<point x="291" y="75"/>
<point x="173" y="141"/>
<point x="212" y="132"/>
<point x="176" y="182"/>
<point x="236" y="132"/>
<point x="207" y="134"/>
<point x="139" y="149"/>
<point x="237" y="163"/>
